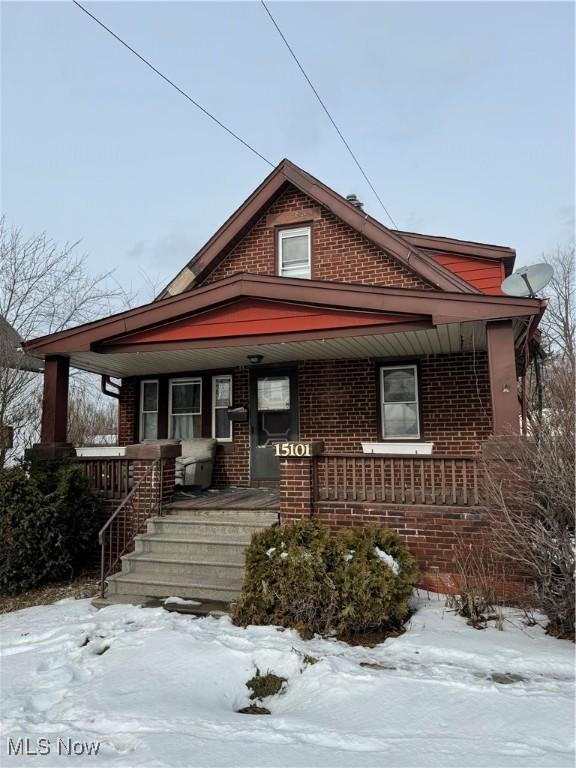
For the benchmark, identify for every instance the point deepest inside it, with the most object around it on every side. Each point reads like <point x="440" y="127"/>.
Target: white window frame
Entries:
<point x="142" y="411"/>
<point x="414" y="367"/>
<point x="221" y="407"/>
<point x="186" y="380"/>
<point x="294" y="232"/>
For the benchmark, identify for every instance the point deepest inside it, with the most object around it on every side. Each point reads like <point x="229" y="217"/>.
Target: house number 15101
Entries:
<point x="292" y="449"/>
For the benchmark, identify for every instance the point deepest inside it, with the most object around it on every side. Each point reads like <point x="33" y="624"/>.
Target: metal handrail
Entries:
<point x="125" y="508"/>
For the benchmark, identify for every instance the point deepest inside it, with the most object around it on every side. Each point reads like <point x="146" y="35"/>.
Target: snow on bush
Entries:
<point x="354" y="581"/>
<point x="388" y="559"/>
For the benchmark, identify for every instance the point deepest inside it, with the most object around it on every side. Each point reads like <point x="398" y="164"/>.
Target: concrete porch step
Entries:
<point x="265" y="517"/>
<point x="257" y="516"/>
<point x="184" y="570"/>
<point x="204" y="527"/>
<point x="212" y="550"/>
<point x="125" y="587"/>
<point x="196" y="554"/>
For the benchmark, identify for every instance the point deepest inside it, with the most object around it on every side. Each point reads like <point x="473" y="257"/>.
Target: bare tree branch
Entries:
<point x="45" y="288"/>
<point x="559" y="321"/>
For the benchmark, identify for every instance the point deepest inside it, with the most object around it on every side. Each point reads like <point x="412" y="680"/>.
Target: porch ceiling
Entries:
<point x="453" y="337"/>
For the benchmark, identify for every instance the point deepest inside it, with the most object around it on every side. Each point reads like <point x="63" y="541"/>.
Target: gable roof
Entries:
<point x="390" y="241"/>
<point x="440" y="244"/>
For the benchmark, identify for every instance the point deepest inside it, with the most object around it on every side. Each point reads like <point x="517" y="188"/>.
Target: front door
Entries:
<point x="273" y="419"/>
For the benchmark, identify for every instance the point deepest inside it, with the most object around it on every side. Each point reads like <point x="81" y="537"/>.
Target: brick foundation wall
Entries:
<point x="433" y="534"/>
<point x="339" y="253"/>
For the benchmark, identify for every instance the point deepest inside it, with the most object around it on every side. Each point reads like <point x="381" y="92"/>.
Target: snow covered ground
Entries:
<point x="157" y="688"/>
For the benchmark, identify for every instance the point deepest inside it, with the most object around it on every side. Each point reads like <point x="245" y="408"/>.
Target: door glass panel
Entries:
<point x="274" y="393"/>
<point x="273" y="427"/>
<point x="274" y="417"/>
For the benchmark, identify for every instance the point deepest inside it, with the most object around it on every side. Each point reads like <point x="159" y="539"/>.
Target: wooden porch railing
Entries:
<point x="398" y="479"/>
<point x="109" y="476"/>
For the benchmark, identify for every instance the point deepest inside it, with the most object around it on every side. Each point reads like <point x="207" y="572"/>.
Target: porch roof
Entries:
<point x="195" y="330"/>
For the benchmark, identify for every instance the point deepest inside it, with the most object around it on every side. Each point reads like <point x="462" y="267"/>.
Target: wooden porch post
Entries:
<point x="55" y="400"/>
<point x="503" y="386"/>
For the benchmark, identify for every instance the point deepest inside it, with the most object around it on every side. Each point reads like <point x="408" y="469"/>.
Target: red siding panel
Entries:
<point x="485" y="274"/>
<point x="252" y="318"/>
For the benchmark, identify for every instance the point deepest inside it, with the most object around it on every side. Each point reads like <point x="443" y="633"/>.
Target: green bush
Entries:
<point x="303" y="577"/>
<point x="288" y="579"/>
<point x="374" y="579"/>
<point x="49" y="520"/>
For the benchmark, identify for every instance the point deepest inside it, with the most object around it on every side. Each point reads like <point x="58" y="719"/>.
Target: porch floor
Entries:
<point x="228" y="498"/>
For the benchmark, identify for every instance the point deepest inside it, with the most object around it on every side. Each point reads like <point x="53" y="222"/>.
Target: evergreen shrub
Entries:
<point x="348" y="583"/>
<point x="49" y="521"/>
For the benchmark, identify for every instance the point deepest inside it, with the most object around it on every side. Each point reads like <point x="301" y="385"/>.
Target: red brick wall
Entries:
<point x="434" y="534"/>
<point x="338" y="403"/>
<point x="456" y="405"/>
<point x="232" y="464"/>
<point x="128" y="412"/>
<point x="339" y="253"/>
<point x="296" y="488"/>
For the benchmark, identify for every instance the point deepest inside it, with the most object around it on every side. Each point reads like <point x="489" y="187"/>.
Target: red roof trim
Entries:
<point x="441" y="307"/>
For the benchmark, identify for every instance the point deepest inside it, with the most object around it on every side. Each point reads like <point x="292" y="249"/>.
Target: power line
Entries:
<point x="325" y="108"/>
<point x="173" y="84"/>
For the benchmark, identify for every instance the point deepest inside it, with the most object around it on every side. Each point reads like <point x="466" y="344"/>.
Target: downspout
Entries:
<point x="105" y="383"/>
<point x="531" y="329"/>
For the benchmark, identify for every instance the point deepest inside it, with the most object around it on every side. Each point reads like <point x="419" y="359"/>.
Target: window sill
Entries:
<point x="408" y="447"/>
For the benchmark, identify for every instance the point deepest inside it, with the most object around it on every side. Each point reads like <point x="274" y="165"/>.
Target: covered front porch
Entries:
<point x="354" y="403"/>
<point x="254" y="360"/>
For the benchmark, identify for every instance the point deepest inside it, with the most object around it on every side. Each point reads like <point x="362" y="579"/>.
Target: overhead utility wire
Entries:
<point x="325" y="108"/>
<point x="173" y="84"/>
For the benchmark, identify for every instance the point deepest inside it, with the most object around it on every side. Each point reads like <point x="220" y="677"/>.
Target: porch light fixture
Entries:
<point x="255" y="359"/>
<point x="506" y="388"/>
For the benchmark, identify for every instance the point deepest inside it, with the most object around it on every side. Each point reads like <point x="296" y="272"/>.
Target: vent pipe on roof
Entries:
<point x="355" y="202"/>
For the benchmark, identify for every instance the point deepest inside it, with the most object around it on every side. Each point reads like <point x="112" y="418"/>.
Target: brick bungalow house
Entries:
<point x="378" y="361"/>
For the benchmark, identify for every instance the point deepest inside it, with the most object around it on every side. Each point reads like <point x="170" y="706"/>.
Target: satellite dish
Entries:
<point x="528" y="281"/>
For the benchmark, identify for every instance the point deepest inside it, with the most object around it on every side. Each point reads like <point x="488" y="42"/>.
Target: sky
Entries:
<point x="461" y="113"/>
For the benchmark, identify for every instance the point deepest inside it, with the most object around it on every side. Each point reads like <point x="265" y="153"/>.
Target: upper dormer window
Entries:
<point x="294" y="252"/>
